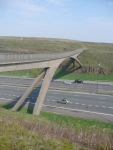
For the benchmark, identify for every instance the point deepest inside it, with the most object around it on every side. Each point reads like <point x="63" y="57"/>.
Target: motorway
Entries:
<point x="81" y="104"/>
<point x="86" y="87"/>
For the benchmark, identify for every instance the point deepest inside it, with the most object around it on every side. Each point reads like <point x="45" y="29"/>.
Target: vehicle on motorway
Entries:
<point x="78" y="81"/>
<point x="67" y="82"/>
<point x="63" y="101"/>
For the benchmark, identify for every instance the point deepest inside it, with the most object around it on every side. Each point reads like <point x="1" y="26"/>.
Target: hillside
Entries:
<point x="23" y="131"/>
<point x="94" y="53"/>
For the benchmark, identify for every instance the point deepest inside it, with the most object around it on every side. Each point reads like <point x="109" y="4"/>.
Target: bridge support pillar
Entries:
<point x="46" y="82"/>
<point x="29" y="90"/>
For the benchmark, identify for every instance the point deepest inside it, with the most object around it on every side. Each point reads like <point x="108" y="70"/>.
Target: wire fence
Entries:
<point x="37" y="57"/>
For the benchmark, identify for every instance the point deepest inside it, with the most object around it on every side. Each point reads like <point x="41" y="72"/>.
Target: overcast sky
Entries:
<point x="83" y="20"/>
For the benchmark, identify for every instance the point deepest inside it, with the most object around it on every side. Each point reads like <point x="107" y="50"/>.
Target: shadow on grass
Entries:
<point x="64" y="72"/>
<point x="7" y="106"/>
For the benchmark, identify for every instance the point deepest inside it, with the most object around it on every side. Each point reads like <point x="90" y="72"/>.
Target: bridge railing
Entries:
<point x="37" y="57"/>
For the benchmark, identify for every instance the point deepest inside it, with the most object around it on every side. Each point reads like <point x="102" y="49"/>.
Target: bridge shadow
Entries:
<point x="67" y="69"/>
<point x="29" y="103"/>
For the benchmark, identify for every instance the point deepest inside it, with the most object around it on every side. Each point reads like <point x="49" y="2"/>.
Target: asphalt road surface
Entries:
<point x="80" y="104"/>
<point x="85" y="87"/>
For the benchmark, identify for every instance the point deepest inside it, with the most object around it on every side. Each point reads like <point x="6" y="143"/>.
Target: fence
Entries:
<point x="37" y="57"/>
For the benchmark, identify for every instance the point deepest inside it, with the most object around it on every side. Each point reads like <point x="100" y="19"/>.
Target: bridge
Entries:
<point x="50" y="62"/>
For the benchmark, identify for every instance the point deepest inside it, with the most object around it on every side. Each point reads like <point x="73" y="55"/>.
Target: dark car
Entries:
<point x="78" y="81"/>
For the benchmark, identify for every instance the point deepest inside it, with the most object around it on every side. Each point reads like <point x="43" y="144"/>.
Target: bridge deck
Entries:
<point x="5" y="58"/>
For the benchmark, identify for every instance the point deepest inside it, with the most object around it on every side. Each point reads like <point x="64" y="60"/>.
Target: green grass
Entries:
<point x="33" y="73"/>
<point x="60" y="74"/>
<point x="49" y="131"/>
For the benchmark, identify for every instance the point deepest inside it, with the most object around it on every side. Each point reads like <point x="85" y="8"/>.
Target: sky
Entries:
<point x="82" y="20"/>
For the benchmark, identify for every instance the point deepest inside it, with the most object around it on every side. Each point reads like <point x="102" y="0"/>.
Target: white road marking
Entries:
<point x="48" y="100"/>
<point x="79" y="110"/>
<point x="83" y="104"/>
<point x="110" y="107"/>
<point x="9" y="99"/>
<point x="89" y="105"/>
<point x="53" y="100"/>
<point x="76" y="103"/>
<point x="104" y="106"/>
<point x="96" y="105"/>
<point x="101" y="98"/>
<point x="51" y="96"/>
<point x="2" y="98"/>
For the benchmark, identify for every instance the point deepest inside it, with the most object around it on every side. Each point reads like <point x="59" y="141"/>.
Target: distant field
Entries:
<point x="93" y="55"/>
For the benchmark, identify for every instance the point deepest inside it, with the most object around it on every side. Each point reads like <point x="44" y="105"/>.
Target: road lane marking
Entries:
<point x="83" y="104"/>
<point x="9" y="99"/>
<point x="51" y="96"/>
<point x="104" y="106"/>
<point x="78" y="110"/>
<point x="76" y="103"/>
<point x="96" y="105"/>
<point x="110" y="107"/>
<point x="2" y="98"/>
<point x="48" y="100"/>
<point x="89" y="105"/>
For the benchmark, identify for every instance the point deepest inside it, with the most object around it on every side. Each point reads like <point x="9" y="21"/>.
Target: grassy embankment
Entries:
<point x="94" y="54"/>
<point x="23" y="131"/>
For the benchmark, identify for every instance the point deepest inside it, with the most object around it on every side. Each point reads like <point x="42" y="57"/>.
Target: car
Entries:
<point x="63" y="101"/>
<point x="78" y="81"/>
<point x="67" y="82"/>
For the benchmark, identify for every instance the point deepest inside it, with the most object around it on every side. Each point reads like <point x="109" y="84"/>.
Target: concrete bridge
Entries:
<point x="50" y="62"/>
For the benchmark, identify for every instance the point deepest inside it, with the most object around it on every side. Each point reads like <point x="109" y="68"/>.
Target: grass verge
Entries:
<point x="60" y="74"/>
<point x="22" y="130"/>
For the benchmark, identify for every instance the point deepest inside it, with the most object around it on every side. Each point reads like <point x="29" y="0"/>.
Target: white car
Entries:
<point x="63" y="101"/>
<point x="67" y="82"/>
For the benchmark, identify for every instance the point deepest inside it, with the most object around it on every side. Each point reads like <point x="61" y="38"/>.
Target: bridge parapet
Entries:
<point x="38" y="57"/>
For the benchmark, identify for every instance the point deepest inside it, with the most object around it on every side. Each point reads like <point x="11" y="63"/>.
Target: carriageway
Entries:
<point x="49" y="63"/>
